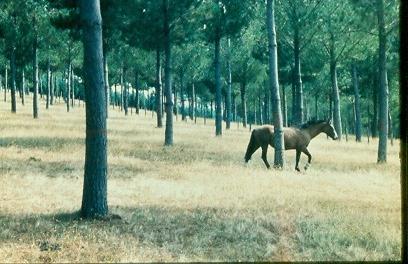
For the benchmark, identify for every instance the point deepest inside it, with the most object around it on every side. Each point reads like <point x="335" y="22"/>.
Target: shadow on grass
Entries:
<point x="47" y="143"/>
<point x="196" y="234"/>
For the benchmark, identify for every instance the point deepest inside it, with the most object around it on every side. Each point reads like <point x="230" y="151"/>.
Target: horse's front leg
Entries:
<point x="264" y="152"/>
<point x="309" y="158"/>
<point x="297" y="159"/>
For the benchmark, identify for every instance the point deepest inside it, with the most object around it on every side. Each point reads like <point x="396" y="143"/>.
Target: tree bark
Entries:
<point x="23" y="88"/>
<point x="72" y="87"/>
<point x="243" y="103"/>
<point x="5" y="83"/>
<point x="137" y="103"/>
<point x="358" y="125"/>
<point x="53" y="81"/>
<point x="229" y="89"/>
<point x="285" y="109"/>
<point x="218" y="95"/>
<point x="383" y="88"/>
<point x="335" y="89"/>
<point x="168" y="139"/>
<point x="13" y="80"/>
<point x="125" y="92"/>
<point x="106" y="82"/>
<point x="278" y="140"/>
<point x="94" y="199"/>
<point x="35" y="77"/>
<point x="47" y="104"/>
<point x="182" y="98"/>
<point x="158" y="90"/>
<point x="298" y="78"/>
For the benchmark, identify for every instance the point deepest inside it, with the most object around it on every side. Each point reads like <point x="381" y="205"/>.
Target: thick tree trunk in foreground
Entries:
<point x="274" y="85"/>
<point x="158" y="90"/>
<point x="218" y="95"/>
<point x="358" y="125"/>
<point x="383" y="88"/>
<point x="168" y="138"/>
<point x="94" y="199"/>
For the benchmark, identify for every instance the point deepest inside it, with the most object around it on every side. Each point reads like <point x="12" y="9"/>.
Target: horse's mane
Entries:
<point x="311" y="122"/>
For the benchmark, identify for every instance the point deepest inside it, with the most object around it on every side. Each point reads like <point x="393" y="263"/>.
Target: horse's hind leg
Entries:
<point x="297" y="159"/>
<point x="264" y="152"/>
<point x="309" y="156"/>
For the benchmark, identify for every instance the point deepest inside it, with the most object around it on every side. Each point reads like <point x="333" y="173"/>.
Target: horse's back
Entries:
<point x="263" y="134"/>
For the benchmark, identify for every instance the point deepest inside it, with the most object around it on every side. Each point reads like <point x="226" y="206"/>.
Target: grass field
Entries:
<point x="195" y="201"/>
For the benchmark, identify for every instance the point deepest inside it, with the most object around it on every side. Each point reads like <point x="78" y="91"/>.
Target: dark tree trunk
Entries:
<point x="68" y="91"/>
<point x="278" y="139"/>
<point x="35" y="77"/>
<point x="298" y="78"/>
<point x="234" y="106"/>
<point x="218" y="95"/>
<point x="94" y="199"/>
<point x="182" y="99"/>
<point x="72" y="87"/>
<point x="13" y="80"/>
<point x="23" y="86"/>
<point x="335" y="89"/>
<point x="229" y="90"/>
<point x="358" y="125"/>
<point x="243" y="103"/>
<point x="383" y="88"/>
<point x="168" y="139"/>
<point x="5" y="83"/>
<point x="125" y="92"/>
<point x="260" y="109"/>
<point x="192" y="106"/>
<point x="175" y="109"/>
<point x="285" y="109"/>
<point x="195" y="105"/>
<point x="106" y="82"/>
<point x="158" y="90"/>
<point x="137" y="103"/>
<point x="53" y="81"/>
<point x="121" y="89"/>
<point x="47" y="104"/>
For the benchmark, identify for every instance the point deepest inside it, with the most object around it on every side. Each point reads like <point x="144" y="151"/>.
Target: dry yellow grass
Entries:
<point x="195" y="201"/>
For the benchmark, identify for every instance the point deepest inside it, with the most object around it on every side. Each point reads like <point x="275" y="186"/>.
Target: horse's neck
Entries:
<point x="314" y="130"/>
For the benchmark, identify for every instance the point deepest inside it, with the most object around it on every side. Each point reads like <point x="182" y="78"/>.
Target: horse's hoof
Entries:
<point x="297" y="169"/>
<point x="307" y="166"/>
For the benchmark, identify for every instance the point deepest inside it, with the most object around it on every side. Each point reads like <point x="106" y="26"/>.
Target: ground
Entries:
<point x="195" y="201"/>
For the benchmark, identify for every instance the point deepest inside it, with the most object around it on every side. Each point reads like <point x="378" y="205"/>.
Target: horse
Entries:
<point x="297" y="138"/>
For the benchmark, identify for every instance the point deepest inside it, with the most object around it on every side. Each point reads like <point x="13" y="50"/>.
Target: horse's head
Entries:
<point x="329" y="130"/>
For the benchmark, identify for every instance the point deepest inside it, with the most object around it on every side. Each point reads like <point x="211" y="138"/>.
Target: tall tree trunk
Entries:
<point x="72" y="87"/>
<point x="125" y="92"/>
<point x="358" y="125"/>
<point x="234" y="106"/>
<point x="68" y="91"/>
<point x="383" y="88"/>
<point x="47" y="104"/>
<point x="278" y="139"/>
<point x="243" y="103"/>
<point x="195" y="105"/>
<point x="53" y="81"/>
<point x="121" y="89"/>
<point x="193" y="102"/>
<point x="168" y="139"/>
<point x="175" y="109"/>
<point x="298" y="78"/>
<point x="5" y="83"/>
<point x="218" y="95"/>
<point x="182" y="99"/>
<point x="94" y="199"/>
<point x="229" y="88"/>
<point x="23" y="86"/>
<point x="335" y="89"/>
<point x="285" y="109"/>
<point x="13" y="80"/>
<point x="106" y="82"/>
<point x="261" y="122"/>
<point x="375" y="121"/>
<point x="158" y="90"/>
<point x="35" y="77"/>
<point x="137" y="103"/>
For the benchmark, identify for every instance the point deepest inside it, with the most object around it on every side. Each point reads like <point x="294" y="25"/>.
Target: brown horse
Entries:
<point x="295" y="138"/>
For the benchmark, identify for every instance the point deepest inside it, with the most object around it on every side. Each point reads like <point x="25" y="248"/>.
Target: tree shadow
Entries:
<point x="204" y="233"/>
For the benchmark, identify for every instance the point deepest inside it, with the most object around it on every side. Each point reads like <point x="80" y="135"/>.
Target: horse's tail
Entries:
<point x="250" y="147"/>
